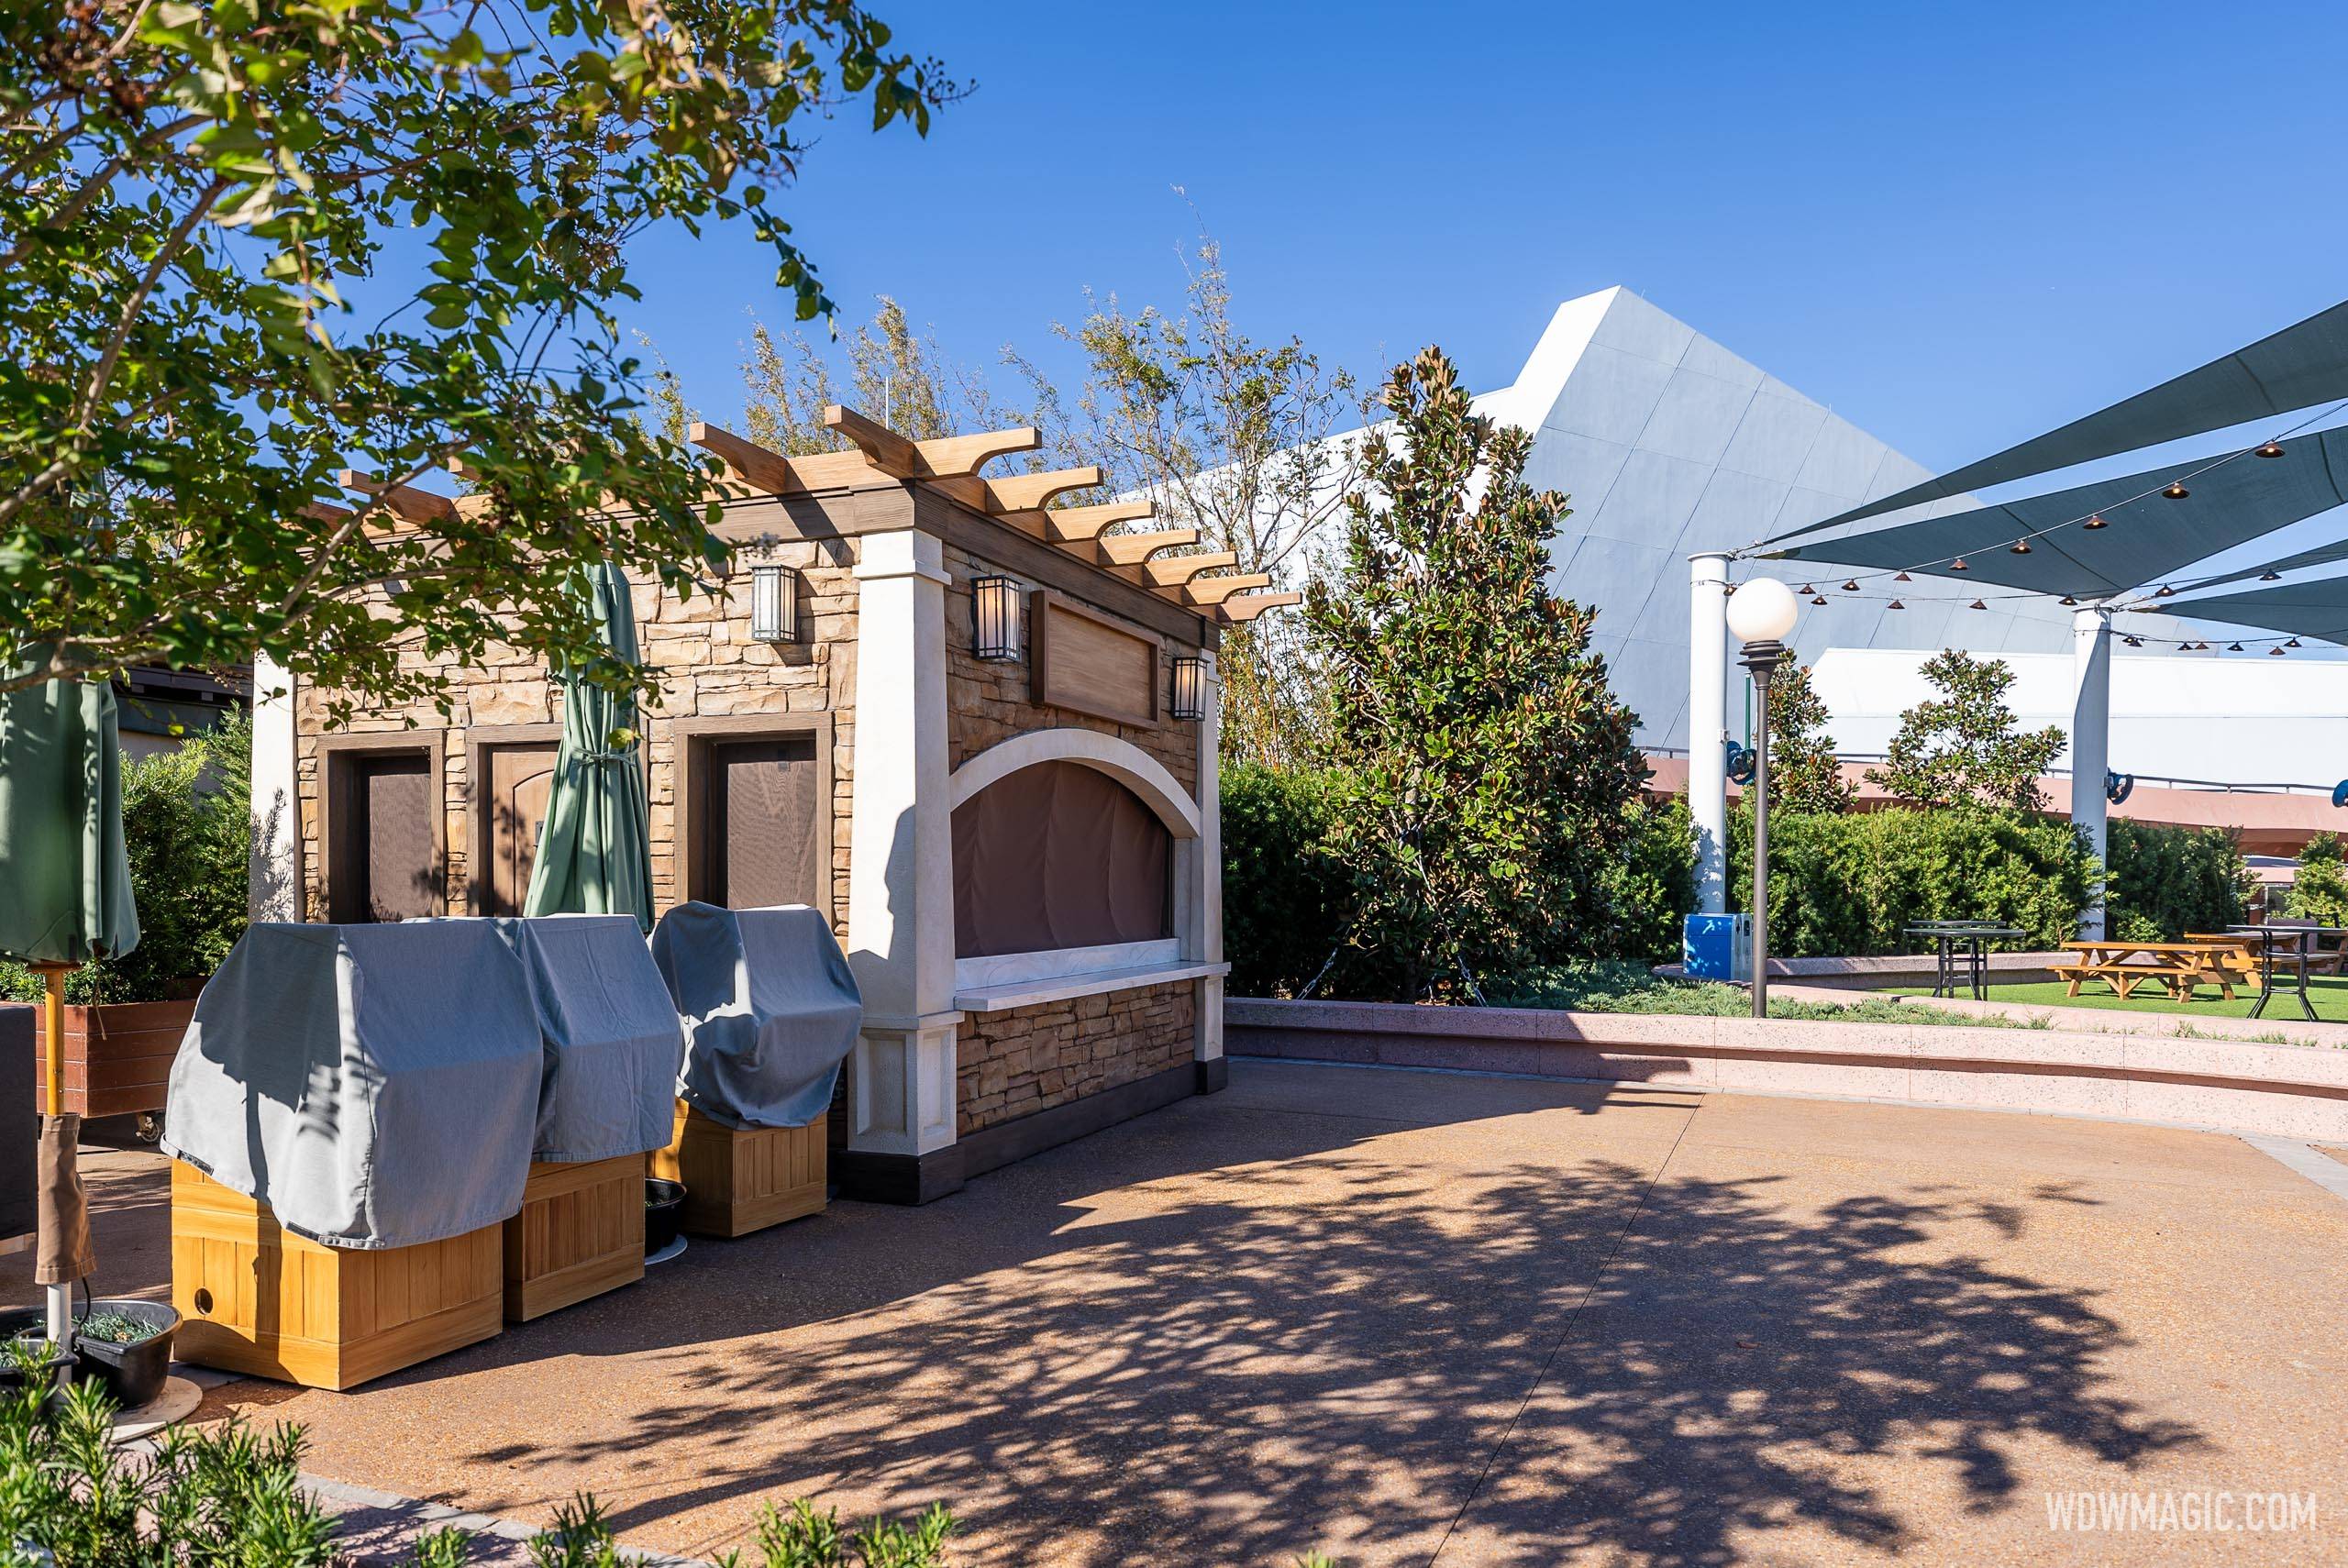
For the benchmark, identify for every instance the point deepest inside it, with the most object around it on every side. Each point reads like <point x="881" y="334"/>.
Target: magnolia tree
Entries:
<point x="212" y="218"/>
<point x="1493" y="770"/>
<point x="1804" y="773"/>
<point x="1963" y="746"/>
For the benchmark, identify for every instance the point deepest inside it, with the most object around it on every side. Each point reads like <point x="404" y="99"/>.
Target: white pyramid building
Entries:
<point x="1667" y="444"/>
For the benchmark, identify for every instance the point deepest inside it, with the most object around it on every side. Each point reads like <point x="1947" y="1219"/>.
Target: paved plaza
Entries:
<point x="1409" y="1317"/>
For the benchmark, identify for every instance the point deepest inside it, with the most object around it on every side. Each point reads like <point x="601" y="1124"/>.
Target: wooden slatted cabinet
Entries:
<point x="741" y="1181"/>
<point x="581" y="1232"/>
<point x="254" y="1298"/>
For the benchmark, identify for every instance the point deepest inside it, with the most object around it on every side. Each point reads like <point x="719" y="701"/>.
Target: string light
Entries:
<point x="1851" y="586"/>
<point x="1895" y="604"/>
<point x="2133" y="642"/>
<point x="2270" y="576"/>
<point x="2021" y="547"/>
<point x="1807" y="589"/>
<point x="1818" y="599"/>
<point x="2096" y="522"/>
<point x="2233" y="647"/>
<point x="1977" y="604"/>
<point x="2176" y="490"/>
<point x="1903" y="577"/>
<point x="1958" y="565"/>
<point x="2273" y="449"/>
<point x="2274" y="653"/>
<point x="2292" y="643"/>
<point x="2165" y="592"/>
<point x="2070" y="602"/>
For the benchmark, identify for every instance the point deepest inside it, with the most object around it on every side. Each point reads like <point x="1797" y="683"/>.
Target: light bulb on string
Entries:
<point x="1807" y="589"/>
<point x="2277" y="653"/>
<point x="2069" y="602"/>
<point x="2292" y="644"/>
<point x="2133" y="642"/>
<point x="2176" y="490"/>
<point x="1818" y="599"/>
<point x="2096" y="522"/>
<point x="1903" y="577"/>
<point x="1977" y="604"/>
<point x="2270" y="448"/>
<point x="1958" y="565"/>
<point x="1895" y="604"/>
<point x="2233" y="647"/>
<point x="2021" y="547"/>
<point x="2270" y="576"/>
<point x="1851" y="586"/>
<point x="2164" y="592"/>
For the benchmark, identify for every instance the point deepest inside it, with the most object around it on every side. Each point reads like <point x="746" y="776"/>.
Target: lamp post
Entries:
<point x="1760" y="613"/>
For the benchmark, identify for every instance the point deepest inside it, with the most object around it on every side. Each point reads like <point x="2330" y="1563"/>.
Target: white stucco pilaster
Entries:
<point x="273" y="870"/>
<point x="2090" y="739"/>
<point x="900" y="857"/>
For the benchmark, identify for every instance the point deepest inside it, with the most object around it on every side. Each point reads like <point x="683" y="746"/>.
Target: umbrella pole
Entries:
<point x="61" y="1296"/>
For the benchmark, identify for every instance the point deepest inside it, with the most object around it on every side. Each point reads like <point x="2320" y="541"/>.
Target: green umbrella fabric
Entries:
<point x="595" y="851"/>
<point x="61" y="855"/>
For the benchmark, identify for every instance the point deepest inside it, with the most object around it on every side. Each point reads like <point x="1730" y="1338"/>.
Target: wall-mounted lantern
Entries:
<point x="995" y="620"/>
<point x="1190" y="704"/>
<point x="774" y="605"/>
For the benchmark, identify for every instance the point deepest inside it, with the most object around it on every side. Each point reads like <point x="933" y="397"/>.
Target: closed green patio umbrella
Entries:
<point x="64" y="899"/>
<point x="595" y="851"/>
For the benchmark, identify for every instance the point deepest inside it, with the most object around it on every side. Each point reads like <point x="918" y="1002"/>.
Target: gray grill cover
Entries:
<point x="376" y="1086"/>
<point x="769" y="1011"/>
<point x="610" y="1033"/>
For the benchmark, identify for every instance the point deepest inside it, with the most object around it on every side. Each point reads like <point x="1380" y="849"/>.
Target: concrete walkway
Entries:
<point x="1414" y="1317"/>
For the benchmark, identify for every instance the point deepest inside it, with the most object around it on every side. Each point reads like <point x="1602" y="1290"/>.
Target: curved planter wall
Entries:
<point x="2292" y="1091"/>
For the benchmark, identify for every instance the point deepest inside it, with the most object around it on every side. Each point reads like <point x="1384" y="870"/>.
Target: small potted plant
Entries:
<point x="127" y="1345"/>
<point x="664" y="1214"/>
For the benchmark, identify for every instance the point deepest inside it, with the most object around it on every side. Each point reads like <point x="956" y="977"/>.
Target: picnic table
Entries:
<point x="2177" y="967"/>
<point x="1973" y="936"/>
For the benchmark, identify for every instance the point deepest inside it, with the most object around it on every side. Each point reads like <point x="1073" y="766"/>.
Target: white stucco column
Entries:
<point x="1206" y="878"/>
<point x="2090" y="738"/>
<point x="901" y="853"/>
<point x="273" y="868"/>
<point x="1707" y="727"/>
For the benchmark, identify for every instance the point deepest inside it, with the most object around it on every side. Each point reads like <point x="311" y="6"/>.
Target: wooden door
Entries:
<point x="382" y="863"/>
<point x="764" y="834"/>
<point x="518" y="780"/>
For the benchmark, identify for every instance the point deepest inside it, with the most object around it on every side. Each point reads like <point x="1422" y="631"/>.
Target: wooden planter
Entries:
<point x="738" y="1182"/>
<point x="255" y="1299"/>
<point x="118" y="1056"/>
<point x="581" y="1232"/>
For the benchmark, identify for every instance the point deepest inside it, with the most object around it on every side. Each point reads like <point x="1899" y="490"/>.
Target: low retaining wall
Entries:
<point x="2290" y="1091"/>
<point x="1893" y="969"/>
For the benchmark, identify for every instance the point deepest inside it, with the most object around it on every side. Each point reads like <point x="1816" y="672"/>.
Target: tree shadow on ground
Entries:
<point x="1321" y="1345"/>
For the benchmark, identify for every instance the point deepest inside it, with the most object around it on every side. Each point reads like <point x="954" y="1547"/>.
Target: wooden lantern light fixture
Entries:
<point x="995" y="620"/>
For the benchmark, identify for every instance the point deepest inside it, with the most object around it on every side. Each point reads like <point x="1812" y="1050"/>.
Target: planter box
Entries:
<point x="118" y="1056"/>
<point x="581" y="1232"/>
<point x="738" y="1182"/>
<point x="255" y="1299"/>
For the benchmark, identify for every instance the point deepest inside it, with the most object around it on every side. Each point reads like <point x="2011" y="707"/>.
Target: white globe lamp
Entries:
<point x="1762" y="611"/>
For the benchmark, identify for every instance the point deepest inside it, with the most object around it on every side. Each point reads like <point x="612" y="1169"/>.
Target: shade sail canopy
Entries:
<point x="594" y="852"/>
<point x="2317" y="609"/>
<point x="2296" y="367"/>
<point x="2147" y="539"/>
<point x="64" y="872"/>
<point x="2322" y="554"/>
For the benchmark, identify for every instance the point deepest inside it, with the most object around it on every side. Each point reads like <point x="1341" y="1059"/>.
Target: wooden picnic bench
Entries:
<point x="2177" y="967"/>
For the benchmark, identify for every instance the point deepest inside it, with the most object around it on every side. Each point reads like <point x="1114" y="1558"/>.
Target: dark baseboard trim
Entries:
<point x="898" y="1178"/>
<point x="924" y="1178"/>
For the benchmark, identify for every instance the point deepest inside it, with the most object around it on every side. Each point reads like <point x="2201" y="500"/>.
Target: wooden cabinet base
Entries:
<point x="738" y="1182"/>
<point x="581" y="1232"/>
<point x="254" y="1298"/>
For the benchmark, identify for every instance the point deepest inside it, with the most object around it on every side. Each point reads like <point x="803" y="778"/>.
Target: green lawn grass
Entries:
<point x="2329" y="993"/>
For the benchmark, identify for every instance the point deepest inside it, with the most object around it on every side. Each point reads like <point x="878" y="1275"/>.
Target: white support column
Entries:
<point x="1707" y="727"/>
<point x="1205" y="938"/>
<point x="273" y="869"/>
<point x="2090" y="738"/>
<point x="901" y="865"/>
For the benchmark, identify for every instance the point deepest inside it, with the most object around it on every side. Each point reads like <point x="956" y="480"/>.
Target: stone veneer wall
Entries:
<point x="987" y="703"/>
<point x="709" y="667"/>
<point x="1028" y="1059"/>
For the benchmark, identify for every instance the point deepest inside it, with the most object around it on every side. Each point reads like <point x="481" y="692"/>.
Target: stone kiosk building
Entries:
<point x="980" y="735"/>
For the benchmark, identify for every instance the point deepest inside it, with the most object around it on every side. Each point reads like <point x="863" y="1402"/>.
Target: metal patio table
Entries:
<point x="1975" y="935"/>
<point x="2269" y="938"/>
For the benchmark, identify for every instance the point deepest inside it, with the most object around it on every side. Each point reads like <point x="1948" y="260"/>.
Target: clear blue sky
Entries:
<point x="1957" y="225"/>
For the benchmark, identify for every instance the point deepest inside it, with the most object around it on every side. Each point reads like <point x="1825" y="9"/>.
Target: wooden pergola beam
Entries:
<point x="882" y="447"/>
<point x="404" y="501"/>
<point x="1173" y="572"/>
<point x="1241" y="608"/>
<point x="942" y="456"/>
<point x="1209" y="590"/>
<point x="1078" y="524"/>
<point x="762" y="468"/>
<point x="1132" y="549"/>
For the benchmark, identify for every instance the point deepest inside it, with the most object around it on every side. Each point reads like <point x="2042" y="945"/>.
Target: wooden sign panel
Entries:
<point x="1083" y="661"/>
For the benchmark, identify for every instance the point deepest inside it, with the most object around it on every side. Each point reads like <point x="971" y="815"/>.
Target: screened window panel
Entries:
<point x="763" y="839"/>
<point x="1055" y="856"/>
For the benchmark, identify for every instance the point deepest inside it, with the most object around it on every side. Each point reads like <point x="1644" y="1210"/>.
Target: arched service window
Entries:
<point x="1057" y="854"/>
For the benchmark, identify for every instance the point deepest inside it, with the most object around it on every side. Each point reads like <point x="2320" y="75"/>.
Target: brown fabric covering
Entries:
<point x="400" y="870"/>
<point x="763" y="821"/>
<point x="1057" y="854"/>
<point x="62" y="1255"/>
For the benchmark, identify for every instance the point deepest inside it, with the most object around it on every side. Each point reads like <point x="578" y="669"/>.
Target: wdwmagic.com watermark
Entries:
<point x="2207" y="1511"/>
